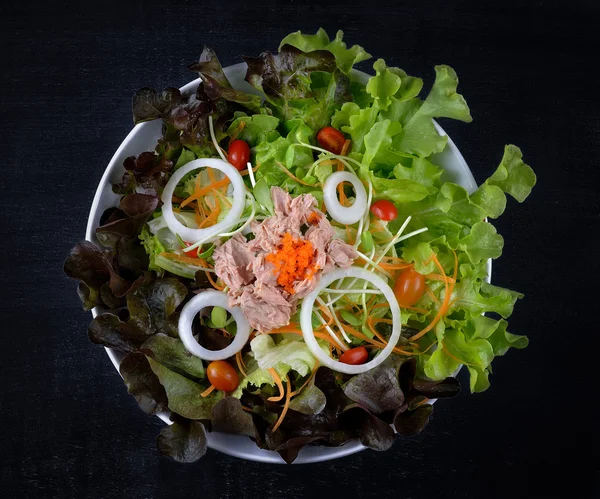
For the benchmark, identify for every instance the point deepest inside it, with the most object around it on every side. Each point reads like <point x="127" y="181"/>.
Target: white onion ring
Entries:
<point x="239" y="199"/>
<point x="212" y="298"/>
<point x="346" y="215"/>
<point x="307" y="329"/>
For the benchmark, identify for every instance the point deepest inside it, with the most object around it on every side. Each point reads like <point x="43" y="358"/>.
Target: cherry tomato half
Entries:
<point x="331" y="139"/>
<point x="239" y="154"/>
<point x="355" y="356"/>
<point x="222" y="376"/>
<point x="193" y="253"/>
<point x="409" y="287"/>
<point x="384" y="210"/>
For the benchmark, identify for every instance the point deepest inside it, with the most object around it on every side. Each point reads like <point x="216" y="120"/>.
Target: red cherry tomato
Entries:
<point x="355" y="356"/>
<point x="222" y="376"/>
<point x="193" y="253"/>
<point x="384" y="210"/>
<point x="239" y="154"/>
<point x="331" y="139"/>
<point x="409" y="287"/>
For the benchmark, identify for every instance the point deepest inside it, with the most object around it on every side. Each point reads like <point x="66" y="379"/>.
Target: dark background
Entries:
<point x="68" y="427"/>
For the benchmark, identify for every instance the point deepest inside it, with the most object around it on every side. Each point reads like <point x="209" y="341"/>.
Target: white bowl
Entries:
<point x="142" y="138"/>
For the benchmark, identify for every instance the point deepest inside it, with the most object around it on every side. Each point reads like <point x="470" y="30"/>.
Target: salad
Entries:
<point x="291" y="264"/>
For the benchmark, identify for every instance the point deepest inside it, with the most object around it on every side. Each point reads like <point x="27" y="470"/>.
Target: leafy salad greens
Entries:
<point x="428" y="238"/>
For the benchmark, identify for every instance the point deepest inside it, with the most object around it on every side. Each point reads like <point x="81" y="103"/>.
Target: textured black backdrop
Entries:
<point x="67" y="426"/>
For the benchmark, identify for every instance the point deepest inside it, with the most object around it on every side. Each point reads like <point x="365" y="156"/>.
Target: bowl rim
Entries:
<point x="259" y="455"/>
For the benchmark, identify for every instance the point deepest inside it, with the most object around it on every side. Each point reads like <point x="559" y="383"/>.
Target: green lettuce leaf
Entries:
<point x="289" y="352"/>
<point x="216" y="84"/>
<point x="256" y="128"/>
<point x="229" y="417"/>
<point x="274" y="157"/>
<point x="419" y="170"/>
<point x="477" y="297"/>
<point x="384" y="85"/>
<point x="153" y="248"/>
<point x="311" y="400"/>
<point x="152" y="307"/>
<point x="482" y="242"/>
<point x="142" y="383"/>
<point x="345" y="58"/>
<point x="184" y="395"/>
<point x="286" y="79"/>
<point x="185" y="441"/>
<point x="419" y="135"/>
<point x="255" y="376"/>
<point x="398" y="190"/>
<point x="513" y="176"/>
<point x="171" y="353"/>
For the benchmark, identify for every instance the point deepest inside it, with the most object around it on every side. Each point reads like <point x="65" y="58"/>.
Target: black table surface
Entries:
<point x="529" y="73"/>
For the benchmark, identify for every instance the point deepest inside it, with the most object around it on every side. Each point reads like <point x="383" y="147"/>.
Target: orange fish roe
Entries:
<point x="293" y="261"/>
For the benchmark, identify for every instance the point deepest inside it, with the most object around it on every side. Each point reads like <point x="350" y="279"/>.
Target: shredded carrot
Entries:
<point x="348" y="233"/>
<point x="286" y="406"/>
<point x="208" y="391"/>
<point x="437" y="277"/>
<point x="417" y="309"/>
<point x="431" y="295"/>
<point x="371" y="300"/>
<point x="341" y="193"/>
<point x="314" y="371"/>
<point x="291" y="175"/>
<point x="329" y="162"/>
<point x="198" y="262"/>
<point x="394" y="259"/>
<point x="213" y="283"/>
<point x="393" y="266"/>
<point x="237" y="131"/>
<point x="378" y="344"/>
<point x="340" y="167"/>
<point x="443" y="307"/>
<point x="385" y="321"/>
<point x="376" y="227"/>
<point x="293" y="261"/>
<point x="205" y="190"/>
<point x="224" y="332"/>
<point x="381" y="305"/>
<point x="374" y="331"/>
<point x="243" y="173"/>
<point x="211" y="175"/>
<point x="314" y="218"/>
<point x="422" y="402"/>
<point x="279" y="384"/>
<point x="214" y="186"/>
<point x="198" y="216"/>
<point x="222" y="197"/>
<point x="328" y="314"/>
<point x="210" y="219"/>
<point x="345" y="147"/>
<point x="288" y="330"/>
<point x="452" y="282"/>
<point x="240" y="361"/>
<point x="247" y="409"/>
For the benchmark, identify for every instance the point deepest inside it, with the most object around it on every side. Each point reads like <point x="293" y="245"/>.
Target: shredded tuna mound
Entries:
<point x="269" y="274"/>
